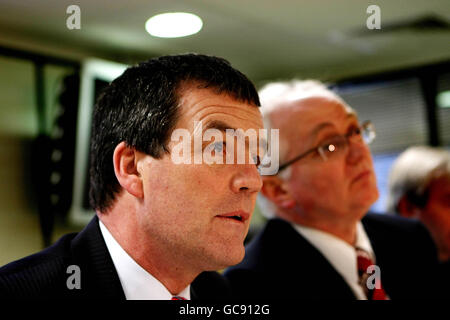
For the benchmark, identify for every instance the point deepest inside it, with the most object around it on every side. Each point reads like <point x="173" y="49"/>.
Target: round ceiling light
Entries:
<point x="173" y="25"/>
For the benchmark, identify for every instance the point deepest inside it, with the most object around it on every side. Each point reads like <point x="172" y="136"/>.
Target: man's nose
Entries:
<point x="246" y="179"/>
<point x="357" y="150"/>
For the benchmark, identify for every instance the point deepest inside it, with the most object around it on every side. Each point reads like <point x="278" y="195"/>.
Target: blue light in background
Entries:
<point x="382" y="164"/>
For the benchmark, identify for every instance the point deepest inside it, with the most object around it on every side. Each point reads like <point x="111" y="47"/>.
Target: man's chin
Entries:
<point x="237" y="259"/>
<point x="368" y="198"/>
<point x="227" y="259"/>
<point x="375" y="196"/>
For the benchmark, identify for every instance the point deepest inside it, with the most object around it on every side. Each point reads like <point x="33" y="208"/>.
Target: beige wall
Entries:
<point x="19" y="222"/>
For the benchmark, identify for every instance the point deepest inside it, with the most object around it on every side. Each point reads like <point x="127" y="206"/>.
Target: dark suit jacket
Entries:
<point x="44" y="275"/>
<point x="281" y="264"/>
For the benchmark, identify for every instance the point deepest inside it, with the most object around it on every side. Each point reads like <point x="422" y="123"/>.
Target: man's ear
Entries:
<point x="407" y="209"/>
<point x="125" y="168"/>
<point x="274" y="188"/>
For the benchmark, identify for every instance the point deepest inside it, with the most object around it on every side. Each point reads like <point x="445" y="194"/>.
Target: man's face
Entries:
<point x="436" y="213"/>
<point x="186" y="205"/>
<point x="342" y="187"/>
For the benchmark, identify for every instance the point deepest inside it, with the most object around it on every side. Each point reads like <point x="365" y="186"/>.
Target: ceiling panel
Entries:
<point x="266" y="39"/>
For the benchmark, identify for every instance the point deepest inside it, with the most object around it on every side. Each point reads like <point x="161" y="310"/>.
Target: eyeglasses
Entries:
<point x="338" y="144"/>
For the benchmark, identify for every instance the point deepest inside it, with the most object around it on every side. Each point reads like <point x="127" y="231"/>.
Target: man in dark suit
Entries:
<point x="320" y="243"/>
<point x="163" y="220"/>
<point x="419" y="188"/>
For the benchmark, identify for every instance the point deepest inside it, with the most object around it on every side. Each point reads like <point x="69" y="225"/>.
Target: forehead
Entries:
<point x="206" y="105"/>
<point x="306" y="116"/>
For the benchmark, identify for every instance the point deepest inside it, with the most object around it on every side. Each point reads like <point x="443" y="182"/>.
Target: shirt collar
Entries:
<point x="341" y="255"/>
<point x="136" y="282"/>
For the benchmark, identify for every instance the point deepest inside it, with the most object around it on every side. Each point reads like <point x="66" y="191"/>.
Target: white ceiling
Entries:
<point x="266" y="39"/>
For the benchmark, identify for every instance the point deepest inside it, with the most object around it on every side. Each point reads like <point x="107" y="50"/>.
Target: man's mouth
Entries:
<point x="361" y="175"/>
<point x="240" y="215"/>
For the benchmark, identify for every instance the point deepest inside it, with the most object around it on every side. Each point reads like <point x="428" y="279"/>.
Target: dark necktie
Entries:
<point x="364" y="262"/>
<point x="178" y="298"/>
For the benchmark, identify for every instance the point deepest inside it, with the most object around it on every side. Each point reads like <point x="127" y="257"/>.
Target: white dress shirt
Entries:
<point x="136" y="282"/>
<point x="341" y="255"/>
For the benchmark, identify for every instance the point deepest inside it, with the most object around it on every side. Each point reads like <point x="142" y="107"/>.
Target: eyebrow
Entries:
<point x="222" y="126"/>
<point x="324" y="125"/>
<point x="219" y="125"/>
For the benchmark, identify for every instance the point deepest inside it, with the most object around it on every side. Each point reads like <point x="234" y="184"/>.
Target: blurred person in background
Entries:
<point x="159" y="225"/>
<point x="320" y="242"/>
<point x="419" y="188"/>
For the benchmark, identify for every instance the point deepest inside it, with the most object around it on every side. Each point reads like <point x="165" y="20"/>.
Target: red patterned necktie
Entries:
<point x="364" y="262"/>
<point x="178" y="298"/>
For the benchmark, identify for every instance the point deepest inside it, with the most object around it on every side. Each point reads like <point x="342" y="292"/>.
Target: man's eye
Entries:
<point x="330" y="147"/>
<point x="333" y="145"/>
<point x="324" y="150"/>
<point x="218" y="146"/>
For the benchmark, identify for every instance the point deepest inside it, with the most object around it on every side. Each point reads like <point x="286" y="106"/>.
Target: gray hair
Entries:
<point x="412" y="173"/>
<point x="275" y="96"/>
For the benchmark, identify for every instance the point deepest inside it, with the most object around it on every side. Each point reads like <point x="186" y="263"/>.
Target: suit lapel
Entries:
<point x="194" y="295"/>
<point x="308" y="271"/>
<point x="98" y="274"/>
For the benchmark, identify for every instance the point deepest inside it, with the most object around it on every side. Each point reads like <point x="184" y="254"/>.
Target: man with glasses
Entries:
<point x="321" y="243"/>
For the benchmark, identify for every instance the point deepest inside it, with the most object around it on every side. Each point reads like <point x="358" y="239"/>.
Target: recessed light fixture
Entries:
<point x="443" y="99"/>
<point x="173" y="25"/>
